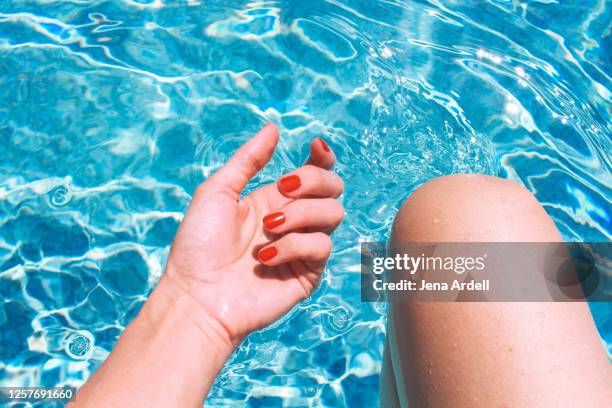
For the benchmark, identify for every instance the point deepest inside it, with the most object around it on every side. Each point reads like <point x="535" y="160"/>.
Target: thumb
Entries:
<point x="247" y="161"/>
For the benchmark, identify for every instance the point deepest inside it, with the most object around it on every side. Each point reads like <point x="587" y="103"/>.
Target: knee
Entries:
<point x="472" y="207"/>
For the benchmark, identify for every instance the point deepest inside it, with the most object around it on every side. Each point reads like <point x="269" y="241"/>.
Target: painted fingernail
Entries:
<point x="267" y="253"/>
<point x="274" y="220"/>
<point x="324" y="145"/>
<point x="290" y="183"/>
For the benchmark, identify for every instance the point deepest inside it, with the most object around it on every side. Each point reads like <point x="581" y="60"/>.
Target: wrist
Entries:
<point x="173" y="310"/>
<point x="168" y="356"/>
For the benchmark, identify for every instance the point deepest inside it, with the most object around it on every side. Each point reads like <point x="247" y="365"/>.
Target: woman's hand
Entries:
<point x="247" y="261"/>
<point x="236" y="265"/>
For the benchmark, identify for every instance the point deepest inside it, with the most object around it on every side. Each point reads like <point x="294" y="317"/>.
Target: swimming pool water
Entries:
<point x="111" y="112"/>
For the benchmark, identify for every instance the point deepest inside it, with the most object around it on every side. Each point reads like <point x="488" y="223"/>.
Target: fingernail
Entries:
<point x="290" y="183"/>
<point x="274" y="220"/>
<point x="324" y="145"/>
<point x="267" y="253"/>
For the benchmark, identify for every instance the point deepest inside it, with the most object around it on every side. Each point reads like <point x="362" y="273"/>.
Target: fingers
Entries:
<point x="321" y="155"/>
<point x="314" y="178"/>
<point x="247" y="161"/>
<point x="310" y="181"/>
<point x="316" y="213"/>
<point x="313" y="247"/>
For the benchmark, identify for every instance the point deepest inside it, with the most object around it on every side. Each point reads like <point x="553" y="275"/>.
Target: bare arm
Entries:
<point x="236" y="265"/>
<point x="168" y="356"/>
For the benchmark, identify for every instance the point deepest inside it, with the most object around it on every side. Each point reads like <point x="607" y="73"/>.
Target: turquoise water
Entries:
<point x="112" y="112"/>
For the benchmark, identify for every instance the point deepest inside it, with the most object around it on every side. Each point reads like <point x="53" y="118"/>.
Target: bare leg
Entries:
<point x="490" y="354"/>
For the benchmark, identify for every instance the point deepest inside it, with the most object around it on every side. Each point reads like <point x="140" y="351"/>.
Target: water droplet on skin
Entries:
<point x="60" y="196"/>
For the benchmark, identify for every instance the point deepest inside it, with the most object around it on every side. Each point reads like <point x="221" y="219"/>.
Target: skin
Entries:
<point x="218" y="286"/>
<point x="488" y="354"/>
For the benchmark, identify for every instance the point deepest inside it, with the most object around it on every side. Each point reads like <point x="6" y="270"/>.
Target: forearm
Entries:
<point x="168" y="356"/>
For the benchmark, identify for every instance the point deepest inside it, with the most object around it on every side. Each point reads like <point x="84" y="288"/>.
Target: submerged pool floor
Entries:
<point x="111" y="113"/>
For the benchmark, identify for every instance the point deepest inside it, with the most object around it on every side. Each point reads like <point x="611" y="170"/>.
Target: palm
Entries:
<point x="215" y="249"/>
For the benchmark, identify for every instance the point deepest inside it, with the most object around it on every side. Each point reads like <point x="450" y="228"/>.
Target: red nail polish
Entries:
<point x="274" y="220"/>
<point x="290" y="183"/>
<point x="267" y="253"/>
<point x="324" y="145"/>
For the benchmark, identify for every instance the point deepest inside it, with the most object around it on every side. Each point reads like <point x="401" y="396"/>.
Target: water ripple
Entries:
<point x="112" y="112"/>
